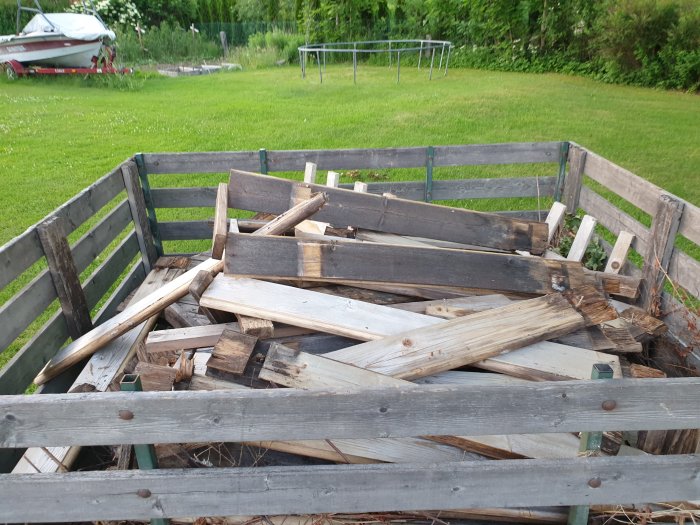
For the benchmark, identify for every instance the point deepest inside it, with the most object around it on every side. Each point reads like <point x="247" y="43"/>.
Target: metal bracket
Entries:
<point x="429" y="160"/>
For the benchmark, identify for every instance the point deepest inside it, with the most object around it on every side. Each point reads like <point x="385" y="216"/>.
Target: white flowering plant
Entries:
<point x="121" y="13"/>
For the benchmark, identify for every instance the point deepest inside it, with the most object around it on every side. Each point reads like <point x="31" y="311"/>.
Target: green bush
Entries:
<point x="167" y="43"/>
<point x="283" y="44"/>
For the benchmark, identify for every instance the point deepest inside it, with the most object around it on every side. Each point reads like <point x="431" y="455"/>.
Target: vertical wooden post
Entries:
<point x="224" y="42"/>
<point x="563" y="157"/>
<point x="310" y="173"/>
<point x="65" y="277"/>
<point x="360" y="187"/>
<point x="574" y="180"/>
<point x="333" y="179"/>
<point x="139" y="215"/>
<point x="590" y="442"/>
<point x="148" y="198"/>
<point x="663" y="235"/>
<point x="145" y="454"/>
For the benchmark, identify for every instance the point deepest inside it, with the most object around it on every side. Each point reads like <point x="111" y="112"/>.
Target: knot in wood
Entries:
<point x="143" y="493"/>
<point x="594" y="483"/>
<point x="407" y="343"/>
<point x="126" y="415"/>
<point x="609" y="405"/>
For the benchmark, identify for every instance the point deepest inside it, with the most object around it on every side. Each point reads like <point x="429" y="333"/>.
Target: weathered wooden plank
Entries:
<point x="310" y="173"/>
<point x="288" y="258"/>
<point x="132" y="280"/>
<point x="690" y="223"/>
<point x="273" y="195"/>
<point x="554" y="219"/>
<point x="139" y="214"/>
<point x="123" y="322"/>
<point x="20" y="253"/>
<point x="209" y="162"/>
<point x="685" y="270"/>
<point x="509" y="153"/>
<point x="614" y="219"/>
<point x="346" y="159"/>
<point x="465" y="340"/>
<point x="277" y="414"/>
<point x="220" y="224"/>
<point x="345" y="488"/>
<point x="365" y="321"/>
<point x="199" y="197"/>
<point x="184" y="230"/>
<point x="183" y="338"/>
<point x="232" y="352"/>
<point x="626" y="184"/>
<point x="656" y="260"/>
<point x="574" y="179"/>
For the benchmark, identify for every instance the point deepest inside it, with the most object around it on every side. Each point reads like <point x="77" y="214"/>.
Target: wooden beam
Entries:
<point x="290" y="258"/>
<point x="123" y="322"/>
<point x="333" y="179"/>
<point x="139" y="214"/>
<point x="220" y="224"/>
<point x="141" y="495"/>
<point x="554" y="219"/>
<point x="280" y="414"/>
<point x="310" y="173"/>
<point x="273" y="195"/>
<point x="65" y="277"/>
<point x="663" y="236"/>
<point x="296" y="214"/>
<point x="583" y="237"/>
<point x="574" y="179"/>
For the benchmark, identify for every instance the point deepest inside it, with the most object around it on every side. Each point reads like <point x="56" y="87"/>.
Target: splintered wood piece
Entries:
<point x="199" y="284"/>
<point x="232" y="352"/>
<point x="301" y="370"/>
<point x="583" y="237"/>
<point x="366" y="322"/>
<point x="310" y="173"/>
<point x="309" y="229"/>
<point x="220" y="226"/>
<point x="293" y="216"/>
<point x="619" y="333"/>
<point x="554" y="219"/>
<point x="332" y="179"/>
<point x="156" y="377"/>
<point x="291" y="258"/>
<point x="465" y="340"/>
<point x="618" y="256"/>
<point x="641" y="371"/>
<point x="642" y="325"/>
<point x="121" y="323"/>
<point x="616" y="284"/>
<point x="260" y="328"/>
<point x="102" y="368"/>
<point x="274" y="195"/>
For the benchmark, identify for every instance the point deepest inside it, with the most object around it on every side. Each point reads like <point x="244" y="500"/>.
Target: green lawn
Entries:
<point x="59" y="135"/>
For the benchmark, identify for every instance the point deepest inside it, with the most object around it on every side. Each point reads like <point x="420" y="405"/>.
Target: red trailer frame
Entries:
<point x="15" y="69"/>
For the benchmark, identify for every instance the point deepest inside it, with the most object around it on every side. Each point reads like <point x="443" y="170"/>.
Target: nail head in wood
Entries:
<point x="143" y="493"/>
<point x="126" y="415"/>
<point x="594" y="483"/>
<point x="609" y="405"/>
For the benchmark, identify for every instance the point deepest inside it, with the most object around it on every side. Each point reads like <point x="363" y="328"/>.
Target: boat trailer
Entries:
<point x="15" y="69"/>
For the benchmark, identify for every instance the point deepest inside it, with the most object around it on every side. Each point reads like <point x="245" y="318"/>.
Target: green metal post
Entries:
<point x="145" y="454"/>
<point x="146" y="187"/>
<point x="563" y="158"/>
<point x="430" y="158"/>
<point x="263" y="161"/>
<point x="591" y="442"/>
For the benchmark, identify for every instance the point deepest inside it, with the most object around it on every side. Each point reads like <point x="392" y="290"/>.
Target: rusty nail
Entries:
<point x="126" y="415"/>
<point x="609" y="405"/>
<point x="594" y="483"/>
<point x="143" y="493"/>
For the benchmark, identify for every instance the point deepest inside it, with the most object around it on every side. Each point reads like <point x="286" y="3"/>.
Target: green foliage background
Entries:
<point x="644" y="42"/>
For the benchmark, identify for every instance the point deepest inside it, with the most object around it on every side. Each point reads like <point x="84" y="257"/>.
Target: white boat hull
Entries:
<point x="50" y="50"/>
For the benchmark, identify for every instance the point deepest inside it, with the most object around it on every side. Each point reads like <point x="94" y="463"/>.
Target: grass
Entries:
<point x="59" y="135"/>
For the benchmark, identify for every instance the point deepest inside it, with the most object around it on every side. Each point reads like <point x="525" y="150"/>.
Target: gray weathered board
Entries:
<point x="280" y="414"/>
<point x="287" y="257"/>
<point x="249" y="191"/>
<point x="345" y="488"/>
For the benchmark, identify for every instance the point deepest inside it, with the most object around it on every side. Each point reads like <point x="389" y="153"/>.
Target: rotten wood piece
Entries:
<point x="249" y="191"/>
<point x="232" y="352"/>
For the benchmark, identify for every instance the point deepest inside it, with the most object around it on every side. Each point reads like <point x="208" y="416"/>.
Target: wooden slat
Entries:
<point x="618" y="255"/>
<point x="626" y="184"/>
<point x="346" y="159"/>
<point x="614" y="219"/>
<point x="211" y="162"/>
<point x="278" y="414"/>
<point x="199" y="197"/>
<point x="184" y="230"/>
<point x="344" y="488"/>
<point x="583" y="237"/>
<point x="139" y="214"/>
<point x="65" y="277"/>
<point x="272" y="195"/>
<point x="288" y="258"/>
<point x="690" y="223"/>
<point x="685" y="271"/>
<point x="20" y="253"/>
<point x="122" y="322"/>
<point x="513" y="153"/>
<point x="102" y="279"/>
<point x="135" y="277"/>
<point x="220" y="224"/>
<point x="574" y="179"/>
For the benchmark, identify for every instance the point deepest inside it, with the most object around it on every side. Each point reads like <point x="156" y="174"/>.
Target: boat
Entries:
<point x="63" y="40"/>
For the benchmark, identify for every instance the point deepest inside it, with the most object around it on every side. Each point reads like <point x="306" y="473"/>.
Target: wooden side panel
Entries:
<point x="513" y="153"/>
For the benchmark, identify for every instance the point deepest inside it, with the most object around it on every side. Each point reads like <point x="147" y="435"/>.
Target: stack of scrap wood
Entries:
<point x="335" y="288"/>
